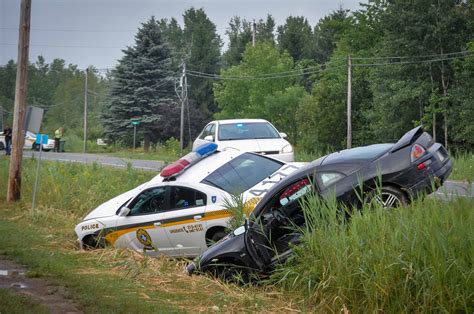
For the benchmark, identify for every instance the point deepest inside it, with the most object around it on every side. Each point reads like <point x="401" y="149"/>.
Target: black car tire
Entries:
<point x="2" y="147"/>
<point x="35" y="147"/>
<point x="215" y="237"/>
<point x="388" y="197"/>
<point x="229" y="273"/>
<point x="92" y="242"/>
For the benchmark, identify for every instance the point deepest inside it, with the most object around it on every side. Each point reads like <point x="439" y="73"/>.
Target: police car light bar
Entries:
<point x="186" y="161"/>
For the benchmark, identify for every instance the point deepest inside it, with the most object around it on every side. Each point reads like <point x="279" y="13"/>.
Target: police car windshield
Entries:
<point x="245" y="131"/>
<point x="242" y="173"/>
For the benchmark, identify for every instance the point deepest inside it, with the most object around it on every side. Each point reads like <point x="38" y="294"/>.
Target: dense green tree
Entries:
<point x="245" y="97"/>
<point x="295" y="37"/>
<point x="143" y="86"/>
<point x="202" y="55"/>
<point x="321" y="117"/>
<point x="7" y="90"/>
<point x="264" y="30"/>
<point x="284" y="105"/>
<point x="406" y="94"/>
<point x="328" y="31"/>
<point x="240" y="35"/>
<point x="461" y="115"/>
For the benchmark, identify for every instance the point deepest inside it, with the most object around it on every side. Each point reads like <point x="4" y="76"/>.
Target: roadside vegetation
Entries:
<point x="463" y="168"/>
<point x="410" y="259"/>
<point x="106" y="280"/>
<point x="417" y="258"/>
<point x="13" y="303"/>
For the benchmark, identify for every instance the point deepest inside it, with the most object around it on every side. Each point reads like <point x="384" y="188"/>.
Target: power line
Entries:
<point x="411" y="62"/>
<point x="301" y="72"/>
<point x="73" y="30"/>
<point x="262" y="77"/>
<point x="414" y="57"/>
<point x="67" y="46"/>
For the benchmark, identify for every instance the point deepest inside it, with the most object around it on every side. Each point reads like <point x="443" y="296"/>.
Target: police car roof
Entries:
<point x="201" y="169"/>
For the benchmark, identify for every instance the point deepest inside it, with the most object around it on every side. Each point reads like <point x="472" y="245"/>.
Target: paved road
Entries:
<point x="449" y="190"/>
<point x="151" y="165"/>
<point x="452" y="189"/>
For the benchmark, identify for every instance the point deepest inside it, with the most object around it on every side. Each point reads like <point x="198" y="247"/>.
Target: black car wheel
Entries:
<point x="36" y="147"/>
<point x="388" y="197"/>
<point x="2" y="147"/>
<point x="229" y="273"/>
<point x="215" y="237"/>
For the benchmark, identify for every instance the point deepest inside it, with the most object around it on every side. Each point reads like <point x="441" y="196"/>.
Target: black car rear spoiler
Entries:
<point x="407" y="139"/>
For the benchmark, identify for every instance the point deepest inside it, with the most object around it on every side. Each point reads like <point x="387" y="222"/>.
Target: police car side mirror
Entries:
<point x="124" y="211"/>
<point x="209" y="138"/>
<point x="283" y="135"/>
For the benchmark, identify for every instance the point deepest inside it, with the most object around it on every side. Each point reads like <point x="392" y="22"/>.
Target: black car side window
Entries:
<point x="325" y="179"/>
<point x="150" y="201"/>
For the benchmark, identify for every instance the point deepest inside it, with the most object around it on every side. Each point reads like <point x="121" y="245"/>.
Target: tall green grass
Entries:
<point x="463" y="167"/>
<point x="410" y="259"/>
<point x="74" y="188"/>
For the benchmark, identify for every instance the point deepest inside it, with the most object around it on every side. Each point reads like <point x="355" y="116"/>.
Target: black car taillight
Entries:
<point x="417" y="151"/>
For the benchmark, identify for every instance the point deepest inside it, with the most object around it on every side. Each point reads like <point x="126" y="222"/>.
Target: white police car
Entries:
<point x="180" y="211"/>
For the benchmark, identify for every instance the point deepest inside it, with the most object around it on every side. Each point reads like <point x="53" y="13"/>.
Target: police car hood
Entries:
<point x="110" y="207"/>
<point x="260" y="189"/>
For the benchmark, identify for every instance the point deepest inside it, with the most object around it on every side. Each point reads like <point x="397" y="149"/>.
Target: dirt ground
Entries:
<point x="13" y="277"/>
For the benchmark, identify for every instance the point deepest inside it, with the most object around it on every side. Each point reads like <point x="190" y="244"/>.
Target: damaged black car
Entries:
<point x="388" y="174"/>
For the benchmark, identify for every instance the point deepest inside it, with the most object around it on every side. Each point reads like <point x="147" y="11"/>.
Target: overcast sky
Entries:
<point x="93" y="32"/>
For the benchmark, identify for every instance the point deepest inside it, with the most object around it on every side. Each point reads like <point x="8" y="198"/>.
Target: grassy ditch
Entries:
<point x="413" y="259"/>
<point x="13" y="303"/>
<point x="463" y="168"/>
<point x="106" y="280"/>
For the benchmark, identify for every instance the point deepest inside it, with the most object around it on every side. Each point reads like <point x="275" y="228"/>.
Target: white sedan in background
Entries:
<point x="247" y="135"/>
<point x="181" y="211"/>
<point x="30" y="142"/>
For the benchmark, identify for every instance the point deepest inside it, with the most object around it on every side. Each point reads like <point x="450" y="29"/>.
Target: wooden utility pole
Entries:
<point x="18" y="138"/>
<point x="85" y="110"/>
<point x="254" y="31"/>
<point x="349" y="102"/>
<point x="184" y="94"/>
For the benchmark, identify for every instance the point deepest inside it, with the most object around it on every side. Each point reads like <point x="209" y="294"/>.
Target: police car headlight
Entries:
<point x="287" y="149"/>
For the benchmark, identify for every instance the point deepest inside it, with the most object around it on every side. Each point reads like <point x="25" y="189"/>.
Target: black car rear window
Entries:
<point x="242" y="173"/>
<point x="364" y="152"/>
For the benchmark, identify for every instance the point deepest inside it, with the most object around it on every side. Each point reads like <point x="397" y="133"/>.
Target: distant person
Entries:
<point x="58" y="134"/>
<point x="7" y="132"/>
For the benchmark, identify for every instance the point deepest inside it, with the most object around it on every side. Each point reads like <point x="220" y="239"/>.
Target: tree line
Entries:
<point x="413" y="63"/>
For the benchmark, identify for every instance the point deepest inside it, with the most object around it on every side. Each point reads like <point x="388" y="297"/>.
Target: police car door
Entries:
<point x="141" y="228"/>
<point x="184" y="222"/>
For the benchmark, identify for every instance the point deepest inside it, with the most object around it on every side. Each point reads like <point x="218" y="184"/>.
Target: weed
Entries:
<point x="407" y="259"/>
